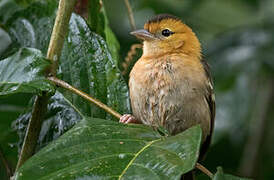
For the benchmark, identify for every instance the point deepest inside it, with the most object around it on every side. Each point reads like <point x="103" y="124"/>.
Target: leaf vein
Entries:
<point x="136" y="155"/>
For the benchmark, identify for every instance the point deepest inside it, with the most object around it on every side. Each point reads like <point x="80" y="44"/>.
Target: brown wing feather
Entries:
<point x="210" y="97"/>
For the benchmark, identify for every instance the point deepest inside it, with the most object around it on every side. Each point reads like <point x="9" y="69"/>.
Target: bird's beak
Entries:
<point x="143" y="34"/>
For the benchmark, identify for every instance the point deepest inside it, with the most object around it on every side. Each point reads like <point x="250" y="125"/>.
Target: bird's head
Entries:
<point x="165" y="34"/>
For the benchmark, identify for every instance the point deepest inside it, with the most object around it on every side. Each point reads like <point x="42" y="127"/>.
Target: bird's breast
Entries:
<point x="154" y="90"/>
<point x="170" y="93"/>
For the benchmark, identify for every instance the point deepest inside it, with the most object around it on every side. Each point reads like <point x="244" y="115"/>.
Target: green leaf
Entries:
<point x="86" y="63"/>
<point x="7" y="9"/>
<point x="60" y="117"/>
<point x="102" y="149"/>
<point x="221" y="176"/>
<point x="98" y="22"/>
<point x="24" y="72"/>
<point x="31" y="26"/>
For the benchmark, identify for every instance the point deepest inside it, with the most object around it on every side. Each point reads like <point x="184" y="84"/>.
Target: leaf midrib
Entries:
<point x="135" y="156"/>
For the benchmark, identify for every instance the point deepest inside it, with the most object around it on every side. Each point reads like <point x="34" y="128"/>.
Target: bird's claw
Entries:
<point x="128" y="118"/>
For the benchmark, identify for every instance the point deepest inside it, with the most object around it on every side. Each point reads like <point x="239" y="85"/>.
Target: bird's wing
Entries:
<point x="210" y="97"/>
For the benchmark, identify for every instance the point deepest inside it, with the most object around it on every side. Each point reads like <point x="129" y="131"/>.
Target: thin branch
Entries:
<point x="40" y="105"/>
<point x="204" y="170"/>
<point x="67" y="86"/>
<point x="131" y="53"/>
<point x="33" y="129"/>
<point x="130" y="15"/>
<point x="59" y="32"/>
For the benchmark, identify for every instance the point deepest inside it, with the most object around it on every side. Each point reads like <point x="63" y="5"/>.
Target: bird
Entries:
<point x="170" y="85"/>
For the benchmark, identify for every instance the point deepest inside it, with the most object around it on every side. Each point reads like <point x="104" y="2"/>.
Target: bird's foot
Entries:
<point x="128" y="118"/>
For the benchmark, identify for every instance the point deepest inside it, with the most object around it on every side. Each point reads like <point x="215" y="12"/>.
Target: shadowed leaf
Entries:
<point x="221" y="176"/>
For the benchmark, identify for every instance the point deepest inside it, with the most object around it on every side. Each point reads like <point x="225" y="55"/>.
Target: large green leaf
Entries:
<point x="220" y="175"/>
<point x="24" y="72"/>
<point x="87" y="64"/>
<point x="101" y="149"/>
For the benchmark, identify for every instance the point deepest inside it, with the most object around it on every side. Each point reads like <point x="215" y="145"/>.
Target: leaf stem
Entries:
<point x="33" y="129"/>
<point x="67" y="86"/>
<point x="204" y="170"/>
<point x="130" y="15"/>
<point x="40" y="105"/>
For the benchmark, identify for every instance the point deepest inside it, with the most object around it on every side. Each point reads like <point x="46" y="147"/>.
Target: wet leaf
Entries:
<point x="24" y="73"/>
<point x="97" y="148"/>
<point x="98" y="22"/>
<point x="87" y="64"/>
<point x="60" y="117"/>
<point x="83" y="52"/>
<point x="220" y="175"/>
<point x="31" y="26"/>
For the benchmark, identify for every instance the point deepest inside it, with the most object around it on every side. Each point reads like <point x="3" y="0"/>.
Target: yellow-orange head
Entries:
<point x="165" y="34"/>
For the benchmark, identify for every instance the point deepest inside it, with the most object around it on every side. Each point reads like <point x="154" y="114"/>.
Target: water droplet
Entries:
<point x="121" y="156"/>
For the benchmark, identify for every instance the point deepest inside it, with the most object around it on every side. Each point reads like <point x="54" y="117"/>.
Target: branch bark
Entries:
<point x="204" y="170"/>
<point x="67" y="86"/>
<point x="58" y="35"/>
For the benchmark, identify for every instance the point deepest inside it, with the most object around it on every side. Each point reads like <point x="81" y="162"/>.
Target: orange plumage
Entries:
<point x="170" y="85"/>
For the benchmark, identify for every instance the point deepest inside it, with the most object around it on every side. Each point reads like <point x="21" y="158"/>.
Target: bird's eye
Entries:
<point x="167" y="32"/>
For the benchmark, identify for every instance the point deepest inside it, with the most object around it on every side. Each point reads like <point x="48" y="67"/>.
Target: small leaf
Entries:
<point x="221" y="176"/>
<point x="102" y="149"/>
<point x="24" y="72"/>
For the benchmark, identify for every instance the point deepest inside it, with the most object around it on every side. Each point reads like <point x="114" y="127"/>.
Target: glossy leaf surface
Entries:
<point x="87" y="64"/>
<point x="101" y="149"/>
<point x="24" y="73"/>
<point x="98" y="22"/>
<point x="60" y="117"/>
